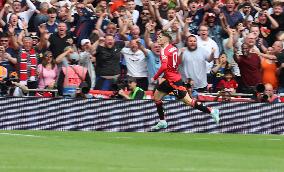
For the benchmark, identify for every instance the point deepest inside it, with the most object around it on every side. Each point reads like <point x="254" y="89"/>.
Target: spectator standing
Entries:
<point x="218" y="70"/>
<point x="87" y="59"/>
<point x="136" y="63"/>
<point x="7" y="62"/>
<point x="23" y="15"/>
<point x="152" y="55"/>
<point x="83" y="22"/>
<point x="193" y="60"/>
<point x="47" y="72"/>
<point x="269" y="70"/>
<point x="42" y="16"/>
<point x="232" y="17"/>
<point x="107" y="62"/>
<point x="27" y="61"/>
<point x="71" y="77"/>
<point x="250" y="68"/>
<point x="57" y="42"/>
<point x="51" y="24"/>
<point x="279" y="52"/>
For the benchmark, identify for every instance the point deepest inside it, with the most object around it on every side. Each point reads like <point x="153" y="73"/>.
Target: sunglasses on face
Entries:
<point x="144" y="13"/>
<point x="49" y="56"/>
<point x="4" y="40"/>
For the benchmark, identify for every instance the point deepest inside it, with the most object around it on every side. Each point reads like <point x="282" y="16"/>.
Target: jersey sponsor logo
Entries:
<point x="172" y="49"/>
<point x="163" y="57"/>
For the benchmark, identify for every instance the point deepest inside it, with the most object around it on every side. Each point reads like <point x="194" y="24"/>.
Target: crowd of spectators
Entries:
<point x="231" y="45"/>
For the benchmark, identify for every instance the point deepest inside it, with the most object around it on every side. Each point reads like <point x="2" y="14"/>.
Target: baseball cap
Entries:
<point x="84" y="41"/>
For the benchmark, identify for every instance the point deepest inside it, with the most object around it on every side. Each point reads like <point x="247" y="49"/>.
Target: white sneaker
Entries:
<point x="161" y="124"/>
<point x="215" y="115"/>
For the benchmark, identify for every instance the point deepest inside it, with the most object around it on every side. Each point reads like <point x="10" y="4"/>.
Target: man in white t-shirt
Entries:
<point x="24" y="15"/>
<point x="193" y="59"/>
<point x="136" y="64"/>
<point x="204" y="41"/>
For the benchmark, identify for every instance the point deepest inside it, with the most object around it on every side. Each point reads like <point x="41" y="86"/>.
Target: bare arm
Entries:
<point x="60" y="57"/>
<point x="254" y="6"/>
<point x="152" y="10"/>
<point x="180" y="19"/>
<point x="124" y="29"/>
<point x="183" y="4"/>
<point x="168" y="25"/>
<point x="186" y="32"/>
<point x="211" y="57"/>
<point x="95" y="45"/>
<point x="10" y="58"/>
<point x="215" y="69"/>
<point x="3" y="10"/>
<point x="99" y="24"/>
<point x="224" y="22"/>
<point x="143" y="49"/>
<point x="230" y="42"/>
<point x="157" y="14"/>
<point x="236" y="55"/>
<point x="147" y="37"/>
<point x="274" y="23"/>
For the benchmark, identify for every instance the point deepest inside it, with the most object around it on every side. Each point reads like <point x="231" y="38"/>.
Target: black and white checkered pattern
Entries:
<point x="137" y="115"/>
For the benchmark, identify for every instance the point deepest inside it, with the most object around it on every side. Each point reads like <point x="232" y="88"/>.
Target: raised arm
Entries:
<point x="157" y="14"/>
<point x="124" y="29"/>
<point x="147" y="37"/>
<point x="168" y="25"/>
<point x="224" y="22"/>
<point x="186" y="32"/>
<point x="230" y="43"/>
<point x="211" y="57"/>
<point x="254" y="6"/>
<point x="163" y="67"/>
<point x="99" y="24"/>
<point x="274" y="23"/>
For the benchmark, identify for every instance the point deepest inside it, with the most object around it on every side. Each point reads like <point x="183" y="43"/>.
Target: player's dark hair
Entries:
<point x="166" y="34"/>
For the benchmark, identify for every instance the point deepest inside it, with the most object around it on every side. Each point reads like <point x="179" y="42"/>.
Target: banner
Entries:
<point x="136" y="116"/>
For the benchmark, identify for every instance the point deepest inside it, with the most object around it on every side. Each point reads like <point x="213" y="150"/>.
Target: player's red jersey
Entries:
<point x="169" y="64"/>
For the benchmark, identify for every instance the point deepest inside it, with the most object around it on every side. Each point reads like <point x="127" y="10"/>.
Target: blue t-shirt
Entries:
<point x="233" y="19"/>
<point x="153" y="64"/>
<point x="129" y="38"/>
<point x="52" y="28"/>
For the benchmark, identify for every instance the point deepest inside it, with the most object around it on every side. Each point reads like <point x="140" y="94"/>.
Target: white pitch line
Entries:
<point x="122" y="137"/>
<point x="25" y="135"/>
<point x="273" y="139"/>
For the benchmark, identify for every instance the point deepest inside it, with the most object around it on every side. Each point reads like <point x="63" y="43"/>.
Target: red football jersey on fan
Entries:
<point x="169" y="64"/>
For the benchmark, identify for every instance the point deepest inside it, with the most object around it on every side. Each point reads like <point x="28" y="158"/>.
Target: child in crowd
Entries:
<point x="228" y="83"/>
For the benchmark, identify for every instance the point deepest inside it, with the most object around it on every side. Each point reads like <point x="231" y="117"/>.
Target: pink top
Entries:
<point x="46" y="76"/>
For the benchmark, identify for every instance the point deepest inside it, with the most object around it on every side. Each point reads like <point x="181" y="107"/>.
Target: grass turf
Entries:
<point x="22" y="151"/>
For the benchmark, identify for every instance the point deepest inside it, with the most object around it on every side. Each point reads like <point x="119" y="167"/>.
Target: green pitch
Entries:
<point x="49" y="151"/>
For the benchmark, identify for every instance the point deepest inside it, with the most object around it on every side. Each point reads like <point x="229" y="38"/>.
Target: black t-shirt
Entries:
<point x="265" y="32"/>
<point x="58" y="44"/>
<point x="108" y="60"/>
<point x="280" y="21"/>
<point x="280" y="59"/>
